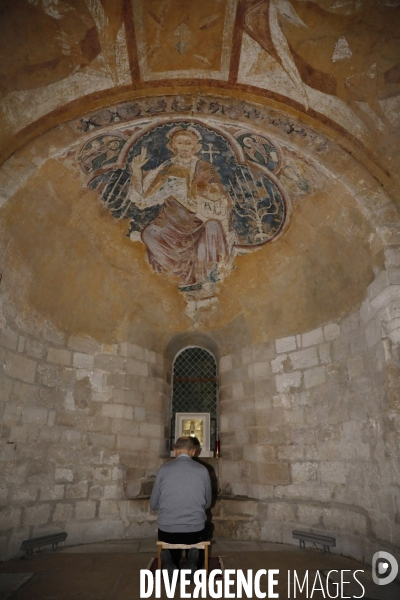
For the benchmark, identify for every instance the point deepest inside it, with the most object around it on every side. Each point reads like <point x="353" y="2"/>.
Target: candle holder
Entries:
<point x="217" y="449"/>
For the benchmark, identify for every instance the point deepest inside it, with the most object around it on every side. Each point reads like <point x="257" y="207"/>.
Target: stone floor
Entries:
<point x="111" y="571"/>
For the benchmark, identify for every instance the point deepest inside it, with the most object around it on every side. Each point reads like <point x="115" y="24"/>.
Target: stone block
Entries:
<point x="295" y="417"/>
<point x="109" y="349"/>
<point x="355" y="367"/>
<point x="78" y="490"/>
<point x="12" y="413"/>
<point x="288" y="380"/>
<point x="313" y="377"/>
<point x="4" y="492"/>
<point x="135" y="367"/>
<point x="84" y="344"/>
<point x="225" y="364"/>
<point x="311" y="338"/>
<point x="125" y="427"/>
<point x="101" y="396"/>
<point x="20" y="367"/>
<point x="121" y="396"/>
<point x="345" y="520"/>
<point x="271" y="532"/>
<point x="247" y="355"/>
<point x="59" y="356"/>
<point x="387" y="295"/>
<point x="264" y="352"/>
<point x="50" y="375"/>
<point x="230" y="471"/>
<point x="247" y="508"/>
<point x="52" y="492"/>
<point x="10" y="518"/>
<point x="85" y="509"/>
<point x="331" y="331"/>
<point x="109" y="509"/>
<point x="150" y="357"/>
<point x="96" y="492"/>
<point x="140" y="414"/>
<point x="71" y="438"/>
<point x="303" y="359"/>
<point x="278" y="511"/>
<point x="278" y="364"/>
<point x="24" y="493"/>
<point x="9" y="339"/>
<point x="367" y="311"/>
<point x="379" y="284"/>
<point x="151" y="430"/>
<point x="132" y="443"/>
<point x="324" y="352"/>
<point x="304" y="471"/>
<point x="273" y="473"/>
<point x="83" y="361"/>
<point x="21" y="343"/>
<point x="309" y="516"/>
<point x="35" y="348"/>
<point x="117" y="411"/>
<point x="301" y="490"/>
<point x="113" y="364"/>
<point x="286" y="344"/>
<point x="37" y="416"/>
<point x="334" y="472"/>
<point x="63" y="512"/>
<point x="373" y="332"/>
<point x="102" y="440"/>
<point x="113" y="492"/>
<point x="37" y="515"/>
<point x="65" y="475"/>
<point x="259" y="370"/>
<point x="290" y="452"/>
<point x="131" y="350"/>
<point x="19" y="434"/>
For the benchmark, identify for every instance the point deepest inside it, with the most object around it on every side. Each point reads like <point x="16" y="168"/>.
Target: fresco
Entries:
<point x="324" y="62"/>
<point x="101" y="151"/>
<point x="194" y="196"/>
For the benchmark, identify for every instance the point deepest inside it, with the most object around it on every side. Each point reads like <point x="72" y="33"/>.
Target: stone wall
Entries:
<point x="83" y="426"/>
<point x="309" y="434"/>
<point x="309" y="431"/>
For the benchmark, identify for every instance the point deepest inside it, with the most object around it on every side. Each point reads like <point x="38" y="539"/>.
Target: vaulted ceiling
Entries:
<point x="334" y="64"/>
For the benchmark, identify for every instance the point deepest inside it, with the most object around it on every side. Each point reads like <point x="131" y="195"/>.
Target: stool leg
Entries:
<point x="206" y="559"/>
<point x="159" y="556"/>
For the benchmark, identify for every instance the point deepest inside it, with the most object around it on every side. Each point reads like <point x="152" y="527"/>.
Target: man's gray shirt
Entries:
<point x="181" y="494"/>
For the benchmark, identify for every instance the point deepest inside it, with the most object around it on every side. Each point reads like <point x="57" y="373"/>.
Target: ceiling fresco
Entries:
<point x="336" y="63"/>
<point x="184" y="39"/>
<point x="253" y="201"/>
<point x="196" y="196"/>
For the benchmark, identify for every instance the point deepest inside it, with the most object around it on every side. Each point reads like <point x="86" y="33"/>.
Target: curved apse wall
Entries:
<point x="305" y="327"/>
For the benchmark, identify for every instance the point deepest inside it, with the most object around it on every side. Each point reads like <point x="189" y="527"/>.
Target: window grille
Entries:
<point x="195" y="386"/>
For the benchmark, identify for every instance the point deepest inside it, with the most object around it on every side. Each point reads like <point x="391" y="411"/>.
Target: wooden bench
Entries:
<point x="45" y="540"/>
<point x="315" y="538"/>
<point x="200" y="546"/>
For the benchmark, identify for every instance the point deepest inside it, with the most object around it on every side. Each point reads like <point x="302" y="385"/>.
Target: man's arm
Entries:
<point x="155" y="494"/>
<point x="208" y="491"/>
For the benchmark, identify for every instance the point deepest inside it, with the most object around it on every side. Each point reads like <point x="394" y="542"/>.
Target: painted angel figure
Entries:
<point x="191" y="236"/>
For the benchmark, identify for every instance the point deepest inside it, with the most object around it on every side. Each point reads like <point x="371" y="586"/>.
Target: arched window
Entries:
<point x="195" y="386"/>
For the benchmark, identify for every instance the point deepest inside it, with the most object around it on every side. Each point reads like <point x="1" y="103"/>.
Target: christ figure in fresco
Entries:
<point x="191" y="235"/>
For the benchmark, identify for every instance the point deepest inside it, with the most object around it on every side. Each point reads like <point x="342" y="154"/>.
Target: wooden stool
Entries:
<point x="200" y="546"/>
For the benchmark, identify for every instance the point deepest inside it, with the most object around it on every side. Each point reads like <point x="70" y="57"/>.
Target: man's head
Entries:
<point x="185" y="445"/>
<point x="184" y="143"/>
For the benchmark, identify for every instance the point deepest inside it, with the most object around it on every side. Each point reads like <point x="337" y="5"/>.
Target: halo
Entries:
<point x="178" y="128"/>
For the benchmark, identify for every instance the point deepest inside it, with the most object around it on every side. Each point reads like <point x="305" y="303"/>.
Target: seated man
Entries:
<point x="181" y="494"/>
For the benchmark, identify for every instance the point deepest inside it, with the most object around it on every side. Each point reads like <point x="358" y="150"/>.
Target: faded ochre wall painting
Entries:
<point x="194" y="195"/>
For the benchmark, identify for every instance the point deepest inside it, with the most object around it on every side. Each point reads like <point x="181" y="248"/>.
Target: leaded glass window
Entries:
<point x="195" y="386"/>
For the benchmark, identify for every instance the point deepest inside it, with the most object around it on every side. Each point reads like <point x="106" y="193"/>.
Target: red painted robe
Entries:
<point x="177" y="241"/>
